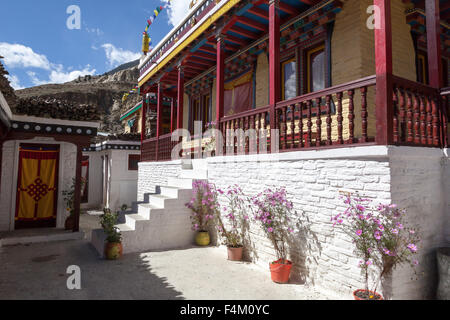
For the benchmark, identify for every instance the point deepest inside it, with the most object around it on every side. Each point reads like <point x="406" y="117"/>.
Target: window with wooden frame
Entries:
<point x="315" y="65"/>
<point x="289" y="79"/>
<point x="422" y="67"/>
<point x="133" y="160"/>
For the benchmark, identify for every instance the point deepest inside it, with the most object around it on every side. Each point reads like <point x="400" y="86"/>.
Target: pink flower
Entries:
<point x="412" y="247"/>
<point x="415" y="262"/>
<point x="377" y="235"/>
<point x="360" y="207"/>
<point x="340" y="221"/>
<point x="381" y="227"/>
<point x="358" y="232"/>
<point x="394" y="231"/>
<point x="270" y="230"/>
<point x="386" y="251"/>
<point x="368" y="263"/>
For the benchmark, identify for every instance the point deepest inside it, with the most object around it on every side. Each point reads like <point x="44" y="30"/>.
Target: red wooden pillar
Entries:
<point x="434" y="43"/>
<point x="159" y="109"/>
<point x="77" y="195"/>
<point x="143" y="119"/>
<point x="274" y="59"/>
<point x="383" y="63"/>
<point x="172" y="115"/>
<point x="220" y="78"/>
<point x="180" y="98"/>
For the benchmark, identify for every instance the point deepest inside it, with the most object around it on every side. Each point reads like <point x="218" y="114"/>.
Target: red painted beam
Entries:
<point x="200" y="61"/>
<point x="207" y="49"/>
<point x="204" y="56"/>
<point x="252" y="23"/>
<point x="259" y="12"/>
<point x="434" y="43"/>
<point x="243" y="32"/>
<point x="236" y="40"/>
<point x="383" y="67"/>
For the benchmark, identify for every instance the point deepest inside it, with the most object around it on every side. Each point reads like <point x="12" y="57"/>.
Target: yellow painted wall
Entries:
<point x="262" y="81"/>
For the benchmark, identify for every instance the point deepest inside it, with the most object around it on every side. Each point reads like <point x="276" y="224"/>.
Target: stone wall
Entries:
<point x="153" y="174"/>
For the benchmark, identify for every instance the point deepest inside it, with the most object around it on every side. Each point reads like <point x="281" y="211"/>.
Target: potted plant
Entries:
<point x="113" y="245"/>
<point x="382" y="240"/>
<point x="273" y="211"/>
<point x="236" y="222"/>
<point x="69" y="199"/>
<point x="203" y="205"/>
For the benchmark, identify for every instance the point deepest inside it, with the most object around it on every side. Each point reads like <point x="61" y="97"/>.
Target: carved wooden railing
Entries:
<point x="303" y="122"/>
<point x="331" y="118"/>
<point x="158" y="148"/>
<point x="418" y="114"/>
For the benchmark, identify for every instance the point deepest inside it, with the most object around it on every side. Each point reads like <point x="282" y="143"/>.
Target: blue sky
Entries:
<point x="39" y="48"/>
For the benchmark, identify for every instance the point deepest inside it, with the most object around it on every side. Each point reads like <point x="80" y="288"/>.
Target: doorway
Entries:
<point x="37" y="186"/>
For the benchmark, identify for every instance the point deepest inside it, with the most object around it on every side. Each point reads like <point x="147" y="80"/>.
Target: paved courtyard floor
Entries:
<point x="38" y="271"/>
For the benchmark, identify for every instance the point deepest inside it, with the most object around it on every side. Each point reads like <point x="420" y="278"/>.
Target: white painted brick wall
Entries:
<point x="415" y="178"/>
<point x="321" y="255"/>
<point x="153" y="174"/>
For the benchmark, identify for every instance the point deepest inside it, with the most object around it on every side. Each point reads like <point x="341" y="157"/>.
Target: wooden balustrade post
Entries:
<point x="274" y="60"/>
<point x="319" y="123"/>
<point x="340" y="118"/>
<point x="383" y="63"/>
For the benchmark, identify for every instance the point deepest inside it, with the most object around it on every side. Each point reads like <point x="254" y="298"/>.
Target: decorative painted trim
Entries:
<point x="45" y="128"/>
<point x="124" y="147"/>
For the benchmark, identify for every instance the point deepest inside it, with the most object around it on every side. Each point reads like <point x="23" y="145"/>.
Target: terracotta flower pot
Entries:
<point x="202" y="239"/>
<point x="362" y="294"/>
<point x="113" y="251"/>
<point x="280" y="272"/>
<point x="235" y="254"/>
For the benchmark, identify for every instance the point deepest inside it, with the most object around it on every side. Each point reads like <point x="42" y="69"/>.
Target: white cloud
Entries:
<point x="177" y="11"/>
<point x="14" y="82"/>
<point x="20" y="56"/>
<point x="118" y="56"/>
<point x="59" y="75"/>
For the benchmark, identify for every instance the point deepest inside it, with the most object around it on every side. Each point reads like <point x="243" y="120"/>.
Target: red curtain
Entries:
<point x="243" y="97"/>
<point x="228" y="102"/>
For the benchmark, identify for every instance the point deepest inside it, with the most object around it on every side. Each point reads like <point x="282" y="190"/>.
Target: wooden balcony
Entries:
<point x="339" y="116"/>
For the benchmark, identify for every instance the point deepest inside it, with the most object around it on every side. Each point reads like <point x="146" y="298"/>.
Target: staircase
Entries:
<point x="161" y="221"/>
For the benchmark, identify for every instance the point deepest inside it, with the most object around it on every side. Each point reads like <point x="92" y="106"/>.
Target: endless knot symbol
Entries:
<point x="37" y="190"/>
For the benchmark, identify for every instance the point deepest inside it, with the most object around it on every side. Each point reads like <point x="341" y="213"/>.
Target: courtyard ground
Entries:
<point x="38" y="271"/>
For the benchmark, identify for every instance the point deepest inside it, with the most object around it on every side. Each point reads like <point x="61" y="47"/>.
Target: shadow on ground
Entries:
<point x="38" y="272"/>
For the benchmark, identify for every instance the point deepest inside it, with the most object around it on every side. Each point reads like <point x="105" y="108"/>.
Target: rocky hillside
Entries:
<point x="5" y="87"/>
<point x="104" y="92"/>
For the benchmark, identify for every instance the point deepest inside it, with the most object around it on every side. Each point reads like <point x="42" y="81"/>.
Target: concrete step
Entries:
<point x="159" y="200"/>
<point x="124" y="227"/>
<point x="133" y="219"/>
<point x="146" y="210"/>
<point x="179" y="182"/>
<point x="174" y="192"/>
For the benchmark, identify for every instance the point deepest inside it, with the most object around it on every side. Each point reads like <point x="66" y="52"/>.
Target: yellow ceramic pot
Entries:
<point x="113" y="251"/>
<point x="202" y="239"/>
